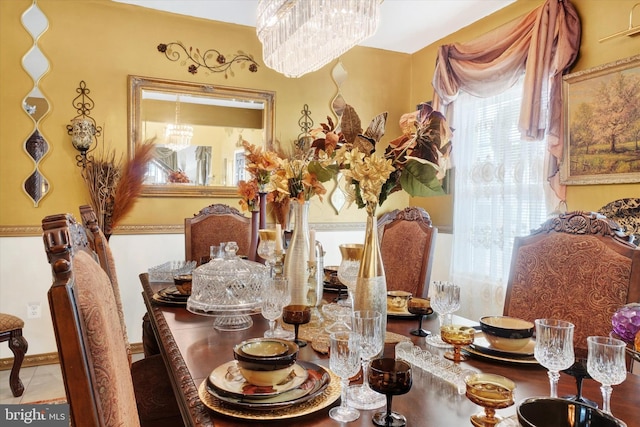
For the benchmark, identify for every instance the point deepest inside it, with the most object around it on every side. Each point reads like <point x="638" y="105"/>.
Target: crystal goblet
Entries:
<point x="296" y="315"/>
<point x="349" y="267"/>
<point x="554" y="348"/>
<point x="445" y="299"/>
<point x="368" y="325"/>
<point x="606" y="364"/>
<point x="491" y="392"/>
<point x="275" y="295"/>
<point x="390" y="377"/>
<point x="344" y="360"/>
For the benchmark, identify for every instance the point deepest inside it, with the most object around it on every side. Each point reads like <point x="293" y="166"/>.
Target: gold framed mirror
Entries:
<point x="198" y="130"/>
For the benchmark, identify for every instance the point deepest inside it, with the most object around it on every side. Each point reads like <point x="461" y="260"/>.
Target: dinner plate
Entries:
<point x="481" y="343"/>
<point x="471" y="351"/>
<point x="226" y="380"/>
<point x="172" y="292"/>
<point x="325" y="398"/>
<point x="317" y="380"/>
<point x="168" y="301"/>
<point x="401" y="314"/>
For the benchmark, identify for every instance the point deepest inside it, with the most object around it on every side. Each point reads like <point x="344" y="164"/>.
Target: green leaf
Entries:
<point x="419" y="180"/>
<point x="323" y="174"/>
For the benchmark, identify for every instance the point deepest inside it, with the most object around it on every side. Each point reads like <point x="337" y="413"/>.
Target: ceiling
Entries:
<point x="405" y="25"/>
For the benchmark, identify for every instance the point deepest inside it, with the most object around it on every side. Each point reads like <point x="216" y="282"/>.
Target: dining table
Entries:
<point x="192" y="349"/>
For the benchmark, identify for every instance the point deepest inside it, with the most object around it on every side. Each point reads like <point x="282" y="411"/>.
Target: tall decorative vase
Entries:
<point x="262" y="197"/>
<point x="297" y="254"/>
<point x="371" y="283"/>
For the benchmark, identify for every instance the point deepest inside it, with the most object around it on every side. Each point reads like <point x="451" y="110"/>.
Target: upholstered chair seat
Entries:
<point x="11" y="330"/>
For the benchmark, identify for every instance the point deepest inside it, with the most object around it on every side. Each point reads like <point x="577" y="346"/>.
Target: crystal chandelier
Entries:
<point x="178" y="136"/>
<point x="300" y="36"/>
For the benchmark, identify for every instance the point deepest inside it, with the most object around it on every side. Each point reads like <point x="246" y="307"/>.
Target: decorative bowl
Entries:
<point x="507" y="333"/>
<point x="550" y="412"/>
<point x="397" y="301"/>
<point x="183" y="283"/>
<point x="265" y="354"/>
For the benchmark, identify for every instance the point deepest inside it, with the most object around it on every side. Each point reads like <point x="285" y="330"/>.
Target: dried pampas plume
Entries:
<point x="115" y="185"/>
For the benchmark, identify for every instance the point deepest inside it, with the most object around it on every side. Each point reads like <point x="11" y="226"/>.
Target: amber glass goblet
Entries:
<point x="390" y="377"/>
<point x="492" y="392"/>
<point x="296" y="315"/>
<point x="457" y="336"/>
<point x="420" y="307"/>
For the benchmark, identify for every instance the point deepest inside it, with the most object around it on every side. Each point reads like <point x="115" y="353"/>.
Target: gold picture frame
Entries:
<point x="602" y="124"/>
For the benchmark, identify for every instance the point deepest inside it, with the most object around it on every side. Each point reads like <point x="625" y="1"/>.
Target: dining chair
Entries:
<point x="101" y="386"/>
<point x="11" y="330"/>
<point x="213" y="225"/>
<point x="407" y="245"/>
<point x="577" y="266"/>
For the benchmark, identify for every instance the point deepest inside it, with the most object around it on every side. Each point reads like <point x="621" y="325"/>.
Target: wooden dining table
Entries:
<point x="192" y="348"/>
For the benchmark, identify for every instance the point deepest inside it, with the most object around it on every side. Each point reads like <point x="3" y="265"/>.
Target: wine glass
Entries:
<point x="579" y="371"/>
<point x="275" y="295"/>
<point x="344" y="360"/>
<point x="267" y="247"/>
<point x="420" y="307"/>
<point x="492" y="392"/>
<point x="349" y="267"/>
<point x="390" y="377"/>
<point x="606" y="364"/>
<point x="554" y="348"/>
<point x="445" y="299"/>
<point x="296" y="315"/>
<point x="368" y="325"/>
<point x="457" y="336"/>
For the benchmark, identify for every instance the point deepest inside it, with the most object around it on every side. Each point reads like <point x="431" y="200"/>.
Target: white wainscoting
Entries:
<point x="25" y="275"/>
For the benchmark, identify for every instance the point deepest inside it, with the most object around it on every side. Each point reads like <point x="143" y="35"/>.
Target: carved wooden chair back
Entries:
<point x="91" y="345"/>
<point x="213" y="225"/>
<point x="100" y="245"/>
<point x="578" y="267"/>
<point x="407" y="245"/>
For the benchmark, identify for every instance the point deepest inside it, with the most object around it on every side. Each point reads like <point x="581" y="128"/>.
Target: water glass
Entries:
<point x="344" y="361"/>
<point x="554" y="348"/>
<point x="275" y="295"/>
<point x="606" y="364"/>
<point x="445" y="299"/>
<point x="368" y="325"/>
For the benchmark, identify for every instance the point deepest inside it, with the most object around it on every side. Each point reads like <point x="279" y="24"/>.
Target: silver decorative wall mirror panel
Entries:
<point x="199" y="131"/>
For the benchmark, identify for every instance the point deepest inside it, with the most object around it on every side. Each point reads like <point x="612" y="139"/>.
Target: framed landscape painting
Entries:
<point x="602" y="124"/>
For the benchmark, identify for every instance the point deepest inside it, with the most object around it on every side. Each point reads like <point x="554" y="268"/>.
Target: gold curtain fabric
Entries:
<point x="543" y="44"/>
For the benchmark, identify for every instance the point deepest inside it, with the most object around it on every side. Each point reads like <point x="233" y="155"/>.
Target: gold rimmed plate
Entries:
<point x="324" y="398"/>
<point x="226" y="380"/>
<point x="472" y="351"/>
<point x="317" y="380"/>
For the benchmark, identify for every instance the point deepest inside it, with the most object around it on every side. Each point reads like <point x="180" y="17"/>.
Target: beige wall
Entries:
<point x="599" y="19"/>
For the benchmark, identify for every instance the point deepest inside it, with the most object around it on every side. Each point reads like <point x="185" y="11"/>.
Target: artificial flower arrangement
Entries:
<point x="414" y="162"/>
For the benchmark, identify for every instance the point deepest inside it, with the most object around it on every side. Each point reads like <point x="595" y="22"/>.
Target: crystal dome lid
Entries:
<point x="227" y="285"/>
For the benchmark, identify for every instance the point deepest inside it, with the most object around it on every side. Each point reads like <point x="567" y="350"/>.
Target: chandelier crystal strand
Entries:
<point x="178" y="136"/>
<point x="301" y="36"/>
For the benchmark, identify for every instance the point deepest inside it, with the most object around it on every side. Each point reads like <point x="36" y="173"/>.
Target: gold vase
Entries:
<point x="371" y="284"/>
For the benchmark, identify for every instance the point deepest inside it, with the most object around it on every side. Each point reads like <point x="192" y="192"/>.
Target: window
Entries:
<point x="499" y="194"/>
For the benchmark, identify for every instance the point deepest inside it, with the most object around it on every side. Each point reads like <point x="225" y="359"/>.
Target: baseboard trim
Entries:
<point x="48" y="358"/>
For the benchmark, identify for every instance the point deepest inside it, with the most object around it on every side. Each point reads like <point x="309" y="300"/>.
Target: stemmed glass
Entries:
<point x="275" y="295"/>
<point x="390" y="377"/>
<point x="267" y="247"/>
<point x="457" y="336"/>
<point x="349" y="267"/>
<point x="606" y="364"/>
<point x="445" y="299"/>
<point x="344" y="360"/>
<point x="579" y="371"/>
<point x="554" y="348"/>
<point x="491" y="392"/>
<point x="297" y="315"/>
<point x="420" y="307"/>
<point x="368" y="325"/>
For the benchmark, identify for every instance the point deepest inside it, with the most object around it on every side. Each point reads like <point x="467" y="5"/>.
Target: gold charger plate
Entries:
<point x="481" y="343"/>
<point x="531" y="361"/>
<point x="330" y="394"/>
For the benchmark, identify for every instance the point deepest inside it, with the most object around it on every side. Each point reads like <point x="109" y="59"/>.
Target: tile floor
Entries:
<point x="40" y="383"/>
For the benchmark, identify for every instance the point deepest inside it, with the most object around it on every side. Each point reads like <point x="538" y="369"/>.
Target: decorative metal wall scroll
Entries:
<point x="306" y="124"/>
<point x="211" y="59"/>
<point x="83" y="129"/>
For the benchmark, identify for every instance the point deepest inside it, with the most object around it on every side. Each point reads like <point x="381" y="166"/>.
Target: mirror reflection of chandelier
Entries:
<point x="300" y="36"/>
<point x="178" y="136"/>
